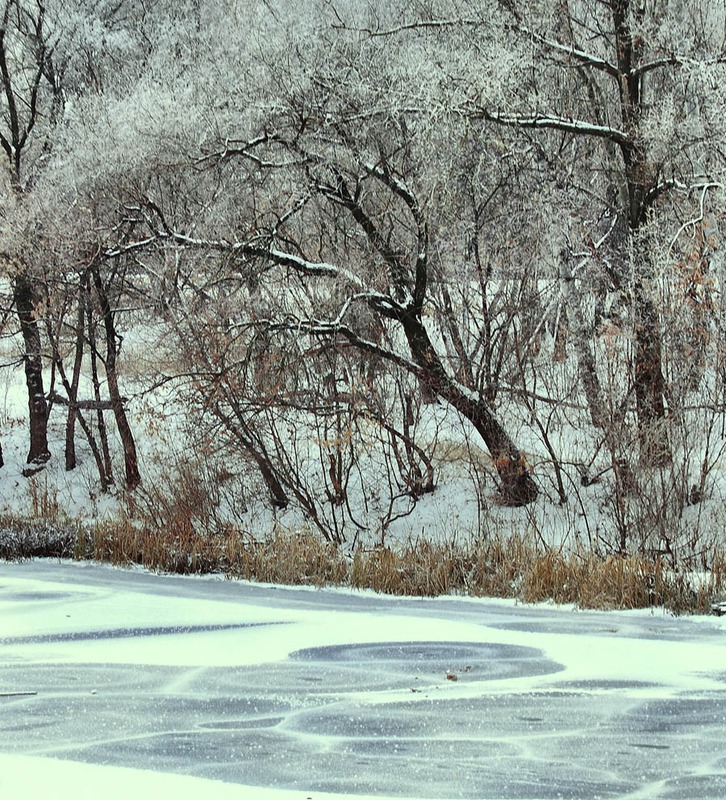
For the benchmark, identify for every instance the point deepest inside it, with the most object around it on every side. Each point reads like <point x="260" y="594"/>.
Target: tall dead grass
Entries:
<point x="517" y="567"/>
<point x="286" y="557"/>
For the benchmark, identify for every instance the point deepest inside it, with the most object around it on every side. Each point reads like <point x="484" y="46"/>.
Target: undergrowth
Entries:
<point x="514" y="567"/>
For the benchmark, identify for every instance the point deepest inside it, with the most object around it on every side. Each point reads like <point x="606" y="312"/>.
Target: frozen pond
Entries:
<point x="319" y="693"/>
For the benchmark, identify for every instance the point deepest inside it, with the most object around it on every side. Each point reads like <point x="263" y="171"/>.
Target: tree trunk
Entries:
<point x="75" y="379"/>
<point x="517" y="485"/>
<point x="650" y="385"/>
<point x="71" y="388"/>
<point x="582" y="335"/>
<point x="133" y="476"/>
<point x="107" y="470"/>
<point x="641" y="181"/>
<point x="24" y="296"/>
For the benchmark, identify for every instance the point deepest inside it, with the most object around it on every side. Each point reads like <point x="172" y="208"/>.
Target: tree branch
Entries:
<point x="399" y="188"/>
<point x="408" y="26"/>
<point x="585" y="58"/>
<point x="675" y="60"/>
<point x="162" y="233"/>
<point x="566" y="124"/>
<point x="333" y="328"/>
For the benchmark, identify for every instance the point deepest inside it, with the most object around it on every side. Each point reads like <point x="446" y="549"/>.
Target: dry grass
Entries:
<point x="290" y="558"/>
<point x="285" y="557"/>
<point x="422" y="568"/>
<point x="515" y="567"/>
<point x="591" y="581"/>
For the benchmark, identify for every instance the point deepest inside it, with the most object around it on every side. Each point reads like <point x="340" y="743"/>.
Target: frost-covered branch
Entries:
<point x="296" y="208"/>
<point x="675" y="60"/>
<point x="400" y="188"/>
<point x="130" y="247"/>
<point x="161" y="232"/>
<point x="585" y="58"/>
<point x="339" y="192"/>
<point x="235" y="148"/>
<point x="692" y="223"/>
<point x="566" y="124"/>
<point x="332" y="328"/>
<point x="421" y="24"/>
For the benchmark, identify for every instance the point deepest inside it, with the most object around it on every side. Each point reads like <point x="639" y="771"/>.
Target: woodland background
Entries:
<point x="366" y="276"/>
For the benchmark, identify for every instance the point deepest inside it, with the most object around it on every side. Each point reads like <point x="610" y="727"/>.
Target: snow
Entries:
<point x="31" y="777"/>
<point x="117" y="682"/>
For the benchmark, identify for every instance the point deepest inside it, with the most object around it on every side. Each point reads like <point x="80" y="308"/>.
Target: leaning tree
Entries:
<point x="338" y="193"/>
<point x="619" y="102"/>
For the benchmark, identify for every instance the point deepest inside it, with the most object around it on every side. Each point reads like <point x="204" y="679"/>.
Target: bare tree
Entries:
<point x="354" y="234"/>
<point x="616" y="74"/>
<point x="617" y="102"/>
<point x="62" y="67"/>
<point x="29" y="88"/>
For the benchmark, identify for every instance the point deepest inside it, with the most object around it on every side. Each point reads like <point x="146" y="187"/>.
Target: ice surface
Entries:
<point x="120" y="683"/>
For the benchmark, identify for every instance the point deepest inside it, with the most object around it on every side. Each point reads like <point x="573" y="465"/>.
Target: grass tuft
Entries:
<point x="291" y="558"/>
<point x="25" y="538"/>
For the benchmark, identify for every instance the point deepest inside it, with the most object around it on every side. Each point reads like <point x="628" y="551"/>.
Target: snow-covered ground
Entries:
<point x="186" y="469"/>
<point x="121" y="683"/>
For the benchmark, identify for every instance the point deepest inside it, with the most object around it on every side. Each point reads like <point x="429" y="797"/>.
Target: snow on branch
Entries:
<point x="695" y="221"/>
<point x="130" y="247"/>
<point x="399" y="188"/>
<point x="314" y="327"/>
<point x="588" y="59"/>
<point x="676" y="60"/>
<point x="161" y="232"/>
<point x="242" y="149"/>
<point x="338" y="191"/>
<point x="302" y="265"/>
<point x="243" y="249"/>
<point x="567" y="124"/>
<point x="422" y="24"/>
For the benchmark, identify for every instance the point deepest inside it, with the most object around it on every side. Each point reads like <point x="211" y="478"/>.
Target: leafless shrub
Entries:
<point x="197" y="495"/>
